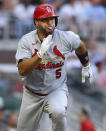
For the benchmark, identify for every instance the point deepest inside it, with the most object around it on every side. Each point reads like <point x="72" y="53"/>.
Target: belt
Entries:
<point x="31" y="90"/>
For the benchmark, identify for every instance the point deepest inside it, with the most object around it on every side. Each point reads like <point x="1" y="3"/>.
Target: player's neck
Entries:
<point x="41" y="36"/>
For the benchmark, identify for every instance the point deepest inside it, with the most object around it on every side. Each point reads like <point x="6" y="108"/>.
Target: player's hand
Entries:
<point x="87" y="73"/>
<point x="47" y="42"/>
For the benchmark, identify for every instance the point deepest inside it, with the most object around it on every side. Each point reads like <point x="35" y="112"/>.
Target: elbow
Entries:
<point x="21" y="72"/>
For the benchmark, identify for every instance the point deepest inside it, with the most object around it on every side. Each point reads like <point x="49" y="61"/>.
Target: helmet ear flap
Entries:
<point x="56" y="21"/>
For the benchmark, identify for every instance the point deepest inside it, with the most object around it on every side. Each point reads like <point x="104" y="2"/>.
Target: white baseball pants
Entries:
<point x="32" y="107"/>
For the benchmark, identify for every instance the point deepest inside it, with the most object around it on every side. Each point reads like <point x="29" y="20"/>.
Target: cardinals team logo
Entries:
<point x="58" y="53"/>
<point x="48" y="9"/>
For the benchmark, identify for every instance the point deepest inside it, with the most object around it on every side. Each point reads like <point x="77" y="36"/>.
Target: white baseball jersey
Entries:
<point x="50" y="74"/>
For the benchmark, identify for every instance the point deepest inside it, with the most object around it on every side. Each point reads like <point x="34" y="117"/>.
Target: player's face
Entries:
<point x="46" y="26"/>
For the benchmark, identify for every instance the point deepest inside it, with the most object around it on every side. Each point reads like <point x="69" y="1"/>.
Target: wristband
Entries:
<point x="83" y="58"/>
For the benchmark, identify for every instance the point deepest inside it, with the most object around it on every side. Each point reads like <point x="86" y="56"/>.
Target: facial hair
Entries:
<point x="44" y="32"/>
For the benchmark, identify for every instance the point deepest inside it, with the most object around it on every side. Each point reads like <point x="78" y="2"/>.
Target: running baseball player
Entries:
<point x="41" y="58"/>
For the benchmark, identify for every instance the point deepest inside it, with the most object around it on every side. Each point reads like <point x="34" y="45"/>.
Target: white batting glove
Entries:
<point x="87" y="73"/>
<point x="47" y="42"/>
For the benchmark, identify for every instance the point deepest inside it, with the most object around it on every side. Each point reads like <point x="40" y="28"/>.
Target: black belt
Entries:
<point x="31" y="90"/>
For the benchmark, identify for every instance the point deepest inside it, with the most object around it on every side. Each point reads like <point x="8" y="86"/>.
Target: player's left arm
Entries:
<point x="82" y="54"/>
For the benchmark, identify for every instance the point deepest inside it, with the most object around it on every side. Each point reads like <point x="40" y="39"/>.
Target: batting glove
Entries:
<point x="87" y="73"/>
<point x="45" y="46"/>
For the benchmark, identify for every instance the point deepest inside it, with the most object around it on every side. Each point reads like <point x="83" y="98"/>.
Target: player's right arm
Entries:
<point x="25" y="66"/>
<point x="25" y="62"/>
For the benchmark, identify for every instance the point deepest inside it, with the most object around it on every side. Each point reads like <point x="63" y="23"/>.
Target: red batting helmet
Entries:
<point x="44" y="11"/>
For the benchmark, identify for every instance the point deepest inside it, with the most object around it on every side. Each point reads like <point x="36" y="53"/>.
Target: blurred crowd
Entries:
<point x="8" y="121"/>
<point x="84" y="17"/>
<point x="10" y="100"/>
<point x="85" y="122"/>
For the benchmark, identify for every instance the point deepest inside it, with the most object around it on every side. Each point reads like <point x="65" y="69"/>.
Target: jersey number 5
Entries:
<point x="58" y="73"/>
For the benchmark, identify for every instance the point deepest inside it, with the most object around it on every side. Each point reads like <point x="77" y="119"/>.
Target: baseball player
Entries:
<point x="41" y="58"/>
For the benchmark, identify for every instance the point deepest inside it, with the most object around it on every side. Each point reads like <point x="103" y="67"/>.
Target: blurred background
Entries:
<point x="84" y="17"/>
